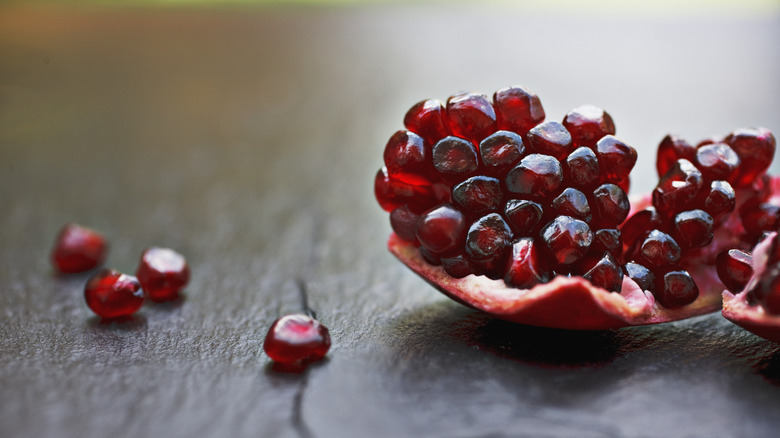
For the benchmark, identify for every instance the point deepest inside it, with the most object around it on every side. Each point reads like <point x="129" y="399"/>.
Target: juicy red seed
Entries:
<point x="677" y="188"/>
<point x="488" y="237"/>
<point x="526" y="266"/>
<point x="517" y="109"/>
<point x="430" y="256"/>
<point x="610" y="205"/>
<point x="523" y="216"/>
<point x="676" y="289"/>
<point x="734" y="268"/>
<point x="111" y="294"/>
<point x="659" y="250"/>
<point x="717" y="161"/>
<point x="567" y="239"/>
<point x="756" y="149"/>
<point x="457" y="266"/>
<point x="477" y="196"/>
<point x="427" y="118"/>
<point x="441" y="229"/>
<point x="455" y="157"/>
<point x="581" y="168"/>
<point x="405" y="152"/>
<point x="78" y="249"/>
<point x="571" y="202"/>
<point x="501" y="151"/>
<point x="607" y="240"/>
<point x="404" y="223"/>
<point x="642" y="276"/>
<point x="720" y="199"/>
<point x="606" y="274"/>
<point x="588" y="124"/>
<point x="296" y="338"/>
<point x="163" y="273"/>
<point x="693" y="228"/>
<point x="615" y="158"/>
<point x="758" y="217"/>
<point x="537" y="176"/>
<point x="471" y="116"/>
<point x="640" y="223"/>
<point x="550" y="138"/>
<point x="393" y="191"/>
<point x="671" y="149"/>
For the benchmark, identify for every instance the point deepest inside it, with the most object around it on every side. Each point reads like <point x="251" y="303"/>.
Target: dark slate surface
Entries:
<point x="248" y="139"/>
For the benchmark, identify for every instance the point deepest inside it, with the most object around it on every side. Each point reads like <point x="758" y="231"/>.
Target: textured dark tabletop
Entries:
<point x="248" y="138"/>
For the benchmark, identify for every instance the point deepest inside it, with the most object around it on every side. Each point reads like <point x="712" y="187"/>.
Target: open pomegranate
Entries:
<point x="528" y="220"/>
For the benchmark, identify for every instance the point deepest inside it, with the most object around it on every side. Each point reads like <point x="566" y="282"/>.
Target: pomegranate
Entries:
<point x="528" y="220"/>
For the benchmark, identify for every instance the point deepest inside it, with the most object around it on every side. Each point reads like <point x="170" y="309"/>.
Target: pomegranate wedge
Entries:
<point x="529" y="220"/>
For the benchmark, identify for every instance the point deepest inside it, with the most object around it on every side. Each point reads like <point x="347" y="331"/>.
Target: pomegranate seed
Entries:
<point x="405" y="153"/>
<point x="567" y="239"/>
<point x="429" y="256"/>
<point x="758" y="217"/>
<point x="610" y="205"/>
<point x="671" y="149"/>
<point x="501" y="151"/>
<point x="517" y="109"/>
<point x="455" y="158"/>
<point x="111" y="294"/>
<point x="477" y="196"/>
<point x="587" y="124"/>
<point x="581" y="168"/>
<point x="427" y="118"/>
<point x="571" y="202"/>
<point x="717" y="161"/>
<point x="523" y="216"/>
<point x="756" y="149"/>
<point x="615" y="158"/>
<point x="489" y="238"/>
<point x="676" y="289"/>
<point x="471" y="116"/>
<point x="441" y="229"/>
<point x="78" y="249"/>
<point x="658" y="250"/>
<point x="404" y="223"/>
<point x="526" y="266"/>
<point x="607" y="240"/>
<point x="734" y="268"/>
<point x="394" y="191"/>
<point x="643" y="277"/>
<point x="606" y="274"/>
<point x="162" y="273"/>
<point x="296" y="338"/>
<point x="640" y="223"/>
<point x="457" y="266"/>
<point x="550" y="138"/>
<point x="720" y="199"/>
<point x="677" y="188"/>
<point x="537" y="176"/>
<point x="693" y="228"/>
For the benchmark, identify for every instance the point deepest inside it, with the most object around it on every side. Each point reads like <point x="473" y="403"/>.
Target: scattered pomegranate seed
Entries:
<point x="111" y="294"/>
<point x="517" y="109"/>
<point x="735" y="267"/>
<point x="78" y="249"/>
<point x="296" y="338"/>
<point x="163" y="273"/>
<point x="588" y="124"/>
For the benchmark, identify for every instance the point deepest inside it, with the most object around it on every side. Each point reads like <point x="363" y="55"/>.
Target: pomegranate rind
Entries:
<point x="752" y="317"/>
<point x="565" y="302"/>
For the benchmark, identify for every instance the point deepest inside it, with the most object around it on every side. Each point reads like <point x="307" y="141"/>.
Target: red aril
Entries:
<point x="78" y="249"/>
<point x="295" y="339"/>
<point x="111" y="294"/>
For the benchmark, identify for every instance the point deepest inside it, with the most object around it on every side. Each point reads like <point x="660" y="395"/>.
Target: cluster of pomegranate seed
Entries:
<point x="489" y="188"/>
<point x="296" y="339"/>
<point x="162" y="273"/>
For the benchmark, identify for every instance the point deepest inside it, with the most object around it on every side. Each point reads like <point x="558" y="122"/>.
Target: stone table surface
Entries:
<point x="247" y="138"/>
